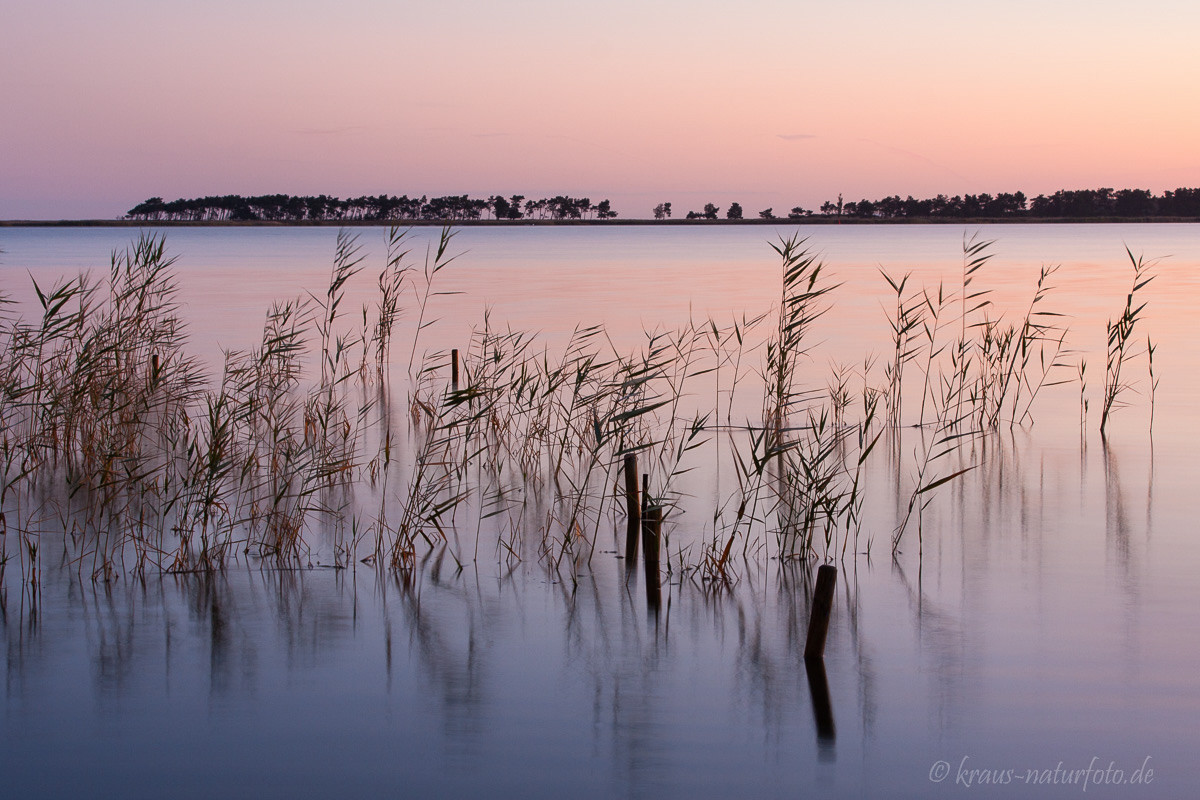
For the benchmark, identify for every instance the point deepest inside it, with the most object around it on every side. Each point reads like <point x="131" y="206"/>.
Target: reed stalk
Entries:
<point x="1120" y="340"/>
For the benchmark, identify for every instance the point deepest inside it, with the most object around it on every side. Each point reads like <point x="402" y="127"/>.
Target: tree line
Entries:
<point x="1063" y="204"/>
<point x="291" y="208"/>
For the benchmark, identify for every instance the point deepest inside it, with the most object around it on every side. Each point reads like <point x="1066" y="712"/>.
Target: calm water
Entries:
<point x="1049" y="624"/>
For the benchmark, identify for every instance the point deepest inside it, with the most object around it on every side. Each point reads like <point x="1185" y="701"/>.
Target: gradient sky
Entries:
<point x="767" y="103"/>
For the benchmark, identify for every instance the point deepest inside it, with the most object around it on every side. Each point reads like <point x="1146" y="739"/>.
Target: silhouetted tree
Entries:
<point x="734" y="212"/>
<point x="1134" y="203"/>
<point x="889" y="206"/>
<point x="1180" y="203"/>
<point x="501" y="208"/>
<point x="154" y="208"/>
<point x="767" y="213"/>
<point x="710" y="211"/>
<point x="514" y="206"/>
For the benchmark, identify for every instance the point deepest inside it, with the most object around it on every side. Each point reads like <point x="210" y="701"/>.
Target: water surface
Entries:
<point x="1044" y="622"/>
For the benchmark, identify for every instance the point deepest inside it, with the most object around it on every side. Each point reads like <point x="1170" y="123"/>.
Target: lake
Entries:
<point x="1033" y="628"/>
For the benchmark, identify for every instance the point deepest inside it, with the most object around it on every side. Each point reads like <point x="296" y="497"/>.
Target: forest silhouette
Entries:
<point x="1077" y="204"/>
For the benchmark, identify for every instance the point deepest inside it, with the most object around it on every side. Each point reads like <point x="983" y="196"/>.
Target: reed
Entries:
<point x="905" y="324"/>
<point x="111" y="431"/>
<point x="1153" y="378"/>
<point x="1120" y="340"/>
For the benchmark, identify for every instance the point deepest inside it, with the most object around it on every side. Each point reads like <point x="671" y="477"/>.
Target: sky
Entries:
<point x="766" y="103"/>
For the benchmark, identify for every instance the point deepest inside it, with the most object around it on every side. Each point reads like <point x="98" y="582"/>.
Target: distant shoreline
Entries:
<point x="553" y="223"/>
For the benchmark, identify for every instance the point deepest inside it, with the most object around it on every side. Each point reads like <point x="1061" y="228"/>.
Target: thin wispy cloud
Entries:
<point x="795" y="137"/>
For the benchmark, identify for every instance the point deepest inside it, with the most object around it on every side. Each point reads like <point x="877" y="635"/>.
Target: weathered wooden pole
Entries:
<point x="633" y="508"/>
<point x="818" y="624"/>
<point x="651" y="528"/>
<point x="454" y="370"/>
<point x="651" y="531"/>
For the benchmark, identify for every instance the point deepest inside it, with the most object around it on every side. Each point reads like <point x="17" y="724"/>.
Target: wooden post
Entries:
<point x="651" y="527"/>
<point x="651" y="530"/>
<point x="818" y="624"/>
<point x="454" y="370"/>
<point x="633" y="507"/>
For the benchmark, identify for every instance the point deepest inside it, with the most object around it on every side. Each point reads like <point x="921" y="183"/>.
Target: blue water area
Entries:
<point x="1026" y="633"/>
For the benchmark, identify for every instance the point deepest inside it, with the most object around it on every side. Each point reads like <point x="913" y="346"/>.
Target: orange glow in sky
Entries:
<point x="766" y="103"/>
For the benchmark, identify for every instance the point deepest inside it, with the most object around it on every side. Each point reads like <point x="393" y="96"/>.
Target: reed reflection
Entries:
<point x="446" y="622"/>
<point x="941" y="641"/>
<point x="1117" y="525"/>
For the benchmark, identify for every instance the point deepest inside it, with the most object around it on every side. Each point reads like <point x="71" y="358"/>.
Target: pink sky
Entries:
<point x="767" y="103"/>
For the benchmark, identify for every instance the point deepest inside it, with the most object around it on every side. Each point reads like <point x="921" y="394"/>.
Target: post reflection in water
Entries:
<point x="818" y="688"/>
